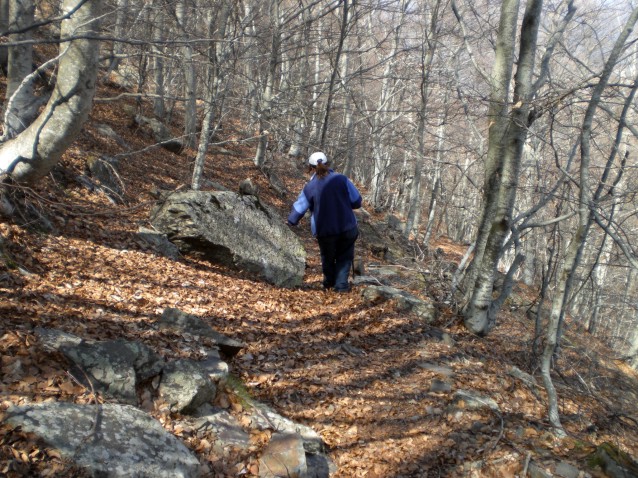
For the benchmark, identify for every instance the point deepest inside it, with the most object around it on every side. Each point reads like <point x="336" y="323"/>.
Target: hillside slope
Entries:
<point x="376" y="383"/>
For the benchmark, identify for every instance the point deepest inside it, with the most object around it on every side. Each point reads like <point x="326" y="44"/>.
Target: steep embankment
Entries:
<point x="376" y="383"/>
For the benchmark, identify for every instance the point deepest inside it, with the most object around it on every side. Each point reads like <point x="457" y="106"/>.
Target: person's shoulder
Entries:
<point x="336" y="175"/>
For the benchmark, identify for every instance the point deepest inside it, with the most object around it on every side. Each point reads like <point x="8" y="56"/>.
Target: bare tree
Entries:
<point x="584" y="218"/>
<point x="428" y="48"/>
<point x="507" y="134"/>
<point x="32" y="154"/>
<point x="21" y="104"/>
<point x="218" y="52"/>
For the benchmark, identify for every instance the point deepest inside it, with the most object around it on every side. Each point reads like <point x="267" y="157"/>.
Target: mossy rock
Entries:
<point x="613" y="461"/>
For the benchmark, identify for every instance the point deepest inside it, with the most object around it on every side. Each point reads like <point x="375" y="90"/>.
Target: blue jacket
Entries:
<point x="331" y="200"/>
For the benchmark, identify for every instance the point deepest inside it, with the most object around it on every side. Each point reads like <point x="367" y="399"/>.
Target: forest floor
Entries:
<point x="89" y="274"/>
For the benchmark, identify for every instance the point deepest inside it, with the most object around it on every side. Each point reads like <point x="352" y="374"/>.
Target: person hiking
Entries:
<point x="331" y="198"/>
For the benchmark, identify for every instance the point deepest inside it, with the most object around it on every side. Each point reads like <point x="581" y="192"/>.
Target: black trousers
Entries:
<point x="337" y="254"/>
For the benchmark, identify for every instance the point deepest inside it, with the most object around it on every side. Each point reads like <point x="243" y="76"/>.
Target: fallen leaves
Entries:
<point x="346" y="368"/>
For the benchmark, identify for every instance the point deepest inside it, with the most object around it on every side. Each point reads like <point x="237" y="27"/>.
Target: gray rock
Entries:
<point x="214" y="185"/>
<point x="366" y="279"/>
<point x="237" y="231"/>
<point x="440" y="386"/>
<point x="104" y="169"/>
<point x="180" y="322"/>
<point x="214" y="366"/>
<point x="106" y="130"/>
<point x="108" y="440"/>
<point x="394" y="223"/>
<point x="160" y="133"/>
<point x="114" y="367"/>
<point x="522" y="376"/>
<point x="53" y="340"/>
<point x="566" y="470"/>
<point x="535" y="471"/>
<point x="474" y="401"/>
<point x="126" y="76"/>
<point x="404" y="300"/>
<point x="185" y="386"/>
<point x="319" y="466"/>
<point x="615" y="462"/>
<point x="438" y="369"/>
<point x="159" y="243"/>
<point x="263" y="418"/>
<point x="223" y="425"/>
<point x="284" y="456"/>
<point x="247" y="188"/>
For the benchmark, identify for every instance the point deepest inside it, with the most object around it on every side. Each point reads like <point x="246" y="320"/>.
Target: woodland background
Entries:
<point x="502" y="127"/>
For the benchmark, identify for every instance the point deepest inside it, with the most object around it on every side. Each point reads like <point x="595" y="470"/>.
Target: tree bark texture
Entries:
<point x="35" y="151"/>
<point x="21" y="106"/>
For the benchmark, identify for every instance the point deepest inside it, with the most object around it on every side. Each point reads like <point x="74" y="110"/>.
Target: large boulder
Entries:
<point x="238" y="231"/>
<point x="108" y="440"/>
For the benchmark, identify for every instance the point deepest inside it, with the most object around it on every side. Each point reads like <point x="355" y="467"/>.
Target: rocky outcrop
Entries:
<point x="108" y="440"/>
<point x="114" y="368"/>
<point x="114" y="440"/>
<point x="234" y="230"/>
<point x="283" y="456"/>
<point x="293" y="447"/>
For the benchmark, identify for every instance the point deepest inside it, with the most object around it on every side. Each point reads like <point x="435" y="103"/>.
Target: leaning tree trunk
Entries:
<point x="21" y="106"/>
<point x="584" y="213"/>
<point x="34" y="152"/>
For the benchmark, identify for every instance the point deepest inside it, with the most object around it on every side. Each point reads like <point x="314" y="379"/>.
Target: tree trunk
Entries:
<point x="4" y="26"/>
<point x="381" y="149"/>
<point x="333" y="76"/>
<point x="190" y="78"/>
<point x="21" y="106"/>
<point x="265" y="113"/>
<point x="428" y="48"/>
<point x="216" y="55"/>
<point x="348" y="163"/>
<point x="119" y="32"/>
<point x="159" y="107"/>
<point x="35" y="151"/>
<point x="497" y="117"/>
<point x="584" y="212"/>
<point x="511" y="132"/>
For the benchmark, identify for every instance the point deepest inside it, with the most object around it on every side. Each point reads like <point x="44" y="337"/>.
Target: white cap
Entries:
<point x="317" y="158"/>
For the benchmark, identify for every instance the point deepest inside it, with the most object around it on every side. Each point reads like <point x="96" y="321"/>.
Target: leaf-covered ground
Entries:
<point x="359" y="374"/>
